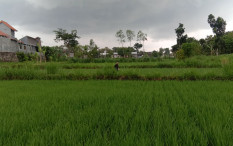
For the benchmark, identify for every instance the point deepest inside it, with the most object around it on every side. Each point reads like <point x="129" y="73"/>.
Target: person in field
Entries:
<point x="116" y="66"/>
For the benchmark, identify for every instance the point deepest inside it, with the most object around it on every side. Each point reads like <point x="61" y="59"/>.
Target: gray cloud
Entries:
<point x="155" y="17"/>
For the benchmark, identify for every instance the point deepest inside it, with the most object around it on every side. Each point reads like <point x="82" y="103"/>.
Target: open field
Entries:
<point x="116" y="113"/>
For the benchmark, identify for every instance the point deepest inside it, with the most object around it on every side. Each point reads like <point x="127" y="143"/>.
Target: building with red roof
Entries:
<point x="7" y="29"/>
<point x="9" y="45"/>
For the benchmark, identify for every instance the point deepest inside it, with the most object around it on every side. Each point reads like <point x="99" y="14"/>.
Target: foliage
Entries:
<point x="175" y="48"/>
<point x="141" y="37"/>
<point x="180" y="54"/>
<point x="155" y="53"/>
<point x="219" y="27"/>
<point x="21" y="56"/>
<point x="228" y="43"/>
<point x="161" y="51"/>
<point x="167" y="52"/>
<point x="179" y="33"/>
<point x="137" y="46"/>
<point x="124" y="51"/>
<point x="93" y="53"/>
<point x="69" y="39"/>
<point x="130" y="35"/>
<point x="121" y="37"/>
<point x="191" y="49"/>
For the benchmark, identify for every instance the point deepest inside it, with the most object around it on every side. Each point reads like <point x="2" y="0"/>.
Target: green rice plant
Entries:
<point x="52" y="68"/>
<point x="19" y="74"/>
<point x="106" y="73"/>
<point x="116" y="112"/>
<point x="210" y="76"/>
<point x="164" y="65"/>
<point x="228" y="70"/>
<point x="130" y="75"/>
<point x="191" y="75"/>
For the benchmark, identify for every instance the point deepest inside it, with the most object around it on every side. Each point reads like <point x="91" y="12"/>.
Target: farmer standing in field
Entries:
<point x="116" y="66"/>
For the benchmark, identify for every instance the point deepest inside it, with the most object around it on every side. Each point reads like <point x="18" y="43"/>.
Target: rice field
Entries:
<point x="116" y="113"/>
<point x="57" y="71"/>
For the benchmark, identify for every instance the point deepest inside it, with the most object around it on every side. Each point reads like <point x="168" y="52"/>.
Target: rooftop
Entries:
<point x="8" y="25"/>
<point x="3" y="34"/>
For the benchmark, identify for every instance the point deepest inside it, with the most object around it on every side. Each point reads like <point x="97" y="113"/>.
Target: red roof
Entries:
<point x="3" y="34"/>
<point x="8" y="25"/>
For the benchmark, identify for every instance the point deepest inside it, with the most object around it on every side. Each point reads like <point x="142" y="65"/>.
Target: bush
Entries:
<point x="191" y="49"/>
<point x="21" y="56"/>
<point x="180" y="54"/>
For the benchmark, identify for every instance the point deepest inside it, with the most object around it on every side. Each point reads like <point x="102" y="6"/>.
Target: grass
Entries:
<point x="54" y="71"/>
<point x="195" y="68"/>
<point x="116" y="113"/>
<point x="194" y="62"/>
<point x="101" y="112"/>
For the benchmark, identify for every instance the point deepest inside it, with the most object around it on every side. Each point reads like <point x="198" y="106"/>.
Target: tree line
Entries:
<point x="219" y="43"/>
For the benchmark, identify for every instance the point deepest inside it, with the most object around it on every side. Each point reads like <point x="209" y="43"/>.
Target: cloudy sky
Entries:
<point x="101" y="19"/>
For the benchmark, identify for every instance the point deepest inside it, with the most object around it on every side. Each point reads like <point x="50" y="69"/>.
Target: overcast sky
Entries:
<point x="101" y="19"/>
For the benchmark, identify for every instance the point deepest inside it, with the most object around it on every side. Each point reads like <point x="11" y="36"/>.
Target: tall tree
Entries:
<point x="161" y="52"/>
<point x="121" y="37"/>
<point x="142" y="37"/>
<point x="219" y="27"/>
<point x="167" y="52"/>
<point x="69" y="39"/>
<point x="181" y="38"/>
<point x="228" y="41"/>
<point x="137" y="46"/>
<point x="92" y="43"/>
<point x="130" y="35"/>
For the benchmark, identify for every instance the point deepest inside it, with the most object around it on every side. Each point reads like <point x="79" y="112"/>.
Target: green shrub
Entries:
<point x="180" y="54"/>
<point x="191" y="49"/>
<point x="21" y="56"/>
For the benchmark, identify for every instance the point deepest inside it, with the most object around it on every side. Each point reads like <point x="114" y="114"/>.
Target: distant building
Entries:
<point x="115" y="55"/>
<point x="134" y="54"/>
<point x="29" y="44"/>
<point x="104" y="54"/>
<point x="9" y="45"/>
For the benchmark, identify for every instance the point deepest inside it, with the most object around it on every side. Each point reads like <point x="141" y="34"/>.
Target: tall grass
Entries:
<point x="195" y="68"/>
<point x="52" y="68"/>
<point x="53" y="72"/>
<point x="116" y="113"/>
